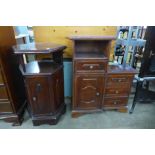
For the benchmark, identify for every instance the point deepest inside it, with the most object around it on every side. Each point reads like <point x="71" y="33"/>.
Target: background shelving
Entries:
<point x="129" y="42"/>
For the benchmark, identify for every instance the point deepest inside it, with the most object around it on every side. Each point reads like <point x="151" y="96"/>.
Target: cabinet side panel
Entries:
<point x="58" y="89"/>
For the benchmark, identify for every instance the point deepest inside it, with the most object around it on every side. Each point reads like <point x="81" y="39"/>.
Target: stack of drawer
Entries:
<point x="12" y="91"/>
<point x="4" y="101"/>
<point x="117" y="90"/>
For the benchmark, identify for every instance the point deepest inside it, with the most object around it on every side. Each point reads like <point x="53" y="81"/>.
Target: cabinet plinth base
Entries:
<point x="15" y="119"/>
<point x="78" y="113"/>
<point x="49" y="119"/>
<point x="123" y="110"/>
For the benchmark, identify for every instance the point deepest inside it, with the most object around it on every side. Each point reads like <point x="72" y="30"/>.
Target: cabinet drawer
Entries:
<point x="99" y="66"/>
<point x="118" y="81"/>
<point x="116" y="92"/>
<point x="115" y="101"/>
<point x="3" y="93"/>
<point x="5" y="107"/>
<point x="1" y="78"/>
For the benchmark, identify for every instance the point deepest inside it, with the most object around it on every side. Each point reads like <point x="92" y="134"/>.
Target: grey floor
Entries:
<point x="142" y="118"/>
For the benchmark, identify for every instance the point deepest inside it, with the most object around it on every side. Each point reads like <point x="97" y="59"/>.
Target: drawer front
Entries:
<point x="1" y="78"/>
<point x="3" y="93"/>
<point x="115" y="101"/>
<point x="116" y="92"/>
<point x="118" y="81"/>
<point x="5" y="107"/>
<point x="99" y="66"/>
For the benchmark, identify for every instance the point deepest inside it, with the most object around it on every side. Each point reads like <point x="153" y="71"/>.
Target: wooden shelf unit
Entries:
<point x="44" y="82"/>
<point x="96" y="85"/>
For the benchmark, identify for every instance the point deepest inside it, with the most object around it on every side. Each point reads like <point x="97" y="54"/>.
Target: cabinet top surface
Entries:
<point x="37" y="48"/>
<point x="118" y="69"/>
<point x="83" y="37"/>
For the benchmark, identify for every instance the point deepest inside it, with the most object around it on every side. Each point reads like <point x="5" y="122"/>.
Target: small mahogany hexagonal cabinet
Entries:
<point x="44" y="81"/>
<point x="97" y="85"/>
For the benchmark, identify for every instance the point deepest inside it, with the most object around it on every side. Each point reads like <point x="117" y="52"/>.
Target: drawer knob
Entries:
<point x="117" y="92"/>
<point x="91" y="66"/>
<point x="97" y="94"/>
<point x="119" y="80"/>
<point x="115" y="102"/>
<point x="34" y="98"/>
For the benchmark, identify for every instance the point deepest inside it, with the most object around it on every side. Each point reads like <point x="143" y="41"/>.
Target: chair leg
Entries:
<point x="138" y="85"/>
<point x="147" y="85"/>
<point x="133" y="106"/>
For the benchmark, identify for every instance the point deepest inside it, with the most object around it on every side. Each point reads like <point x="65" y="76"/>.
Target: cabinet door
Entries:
<point x="39" y="95"/>
<point x="88" y="91"/>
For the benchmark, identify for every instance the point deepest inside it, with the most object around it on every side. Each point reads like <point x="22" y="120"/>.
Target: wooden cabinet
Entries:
<point x="12" y="92"/>
<point x="44" y="82"/>
<point x="96" y="85"/>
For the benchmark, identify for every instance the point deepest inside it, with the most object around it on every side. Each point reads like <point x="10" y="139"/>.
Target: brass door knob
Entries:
<point x="115" y="102"/>
<point x="116" y="91"/>
<point x="91" y="66"/>
<point x="97" y="94"/>
<point x="34" y="98"/>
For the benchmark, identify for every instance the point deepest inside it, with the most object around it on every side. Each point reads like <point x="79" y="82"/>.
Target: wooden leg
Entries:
<point x="138" y="86"/>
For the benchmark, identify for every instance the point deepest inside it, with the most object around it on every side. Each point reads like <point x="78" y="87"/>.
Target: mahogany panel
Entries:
<point x="58" y="88"/>
<point x="88" y="91"/>
<point x="39" y="95"/>
<point x="1" y="78"/>
<point x="5" y="107"/>
<point x="3" y="93"/>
